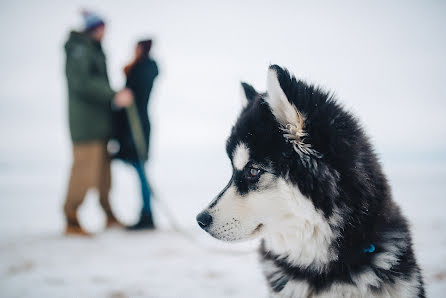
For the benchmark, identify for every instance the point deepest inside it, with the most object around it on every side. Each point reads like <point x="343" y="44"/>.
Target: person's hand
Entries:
<point x="124" y="98"/>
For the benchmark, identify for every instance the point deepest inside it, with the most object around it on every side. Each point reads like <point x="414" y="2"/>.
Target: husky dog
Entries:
<point x="307" y="181"/>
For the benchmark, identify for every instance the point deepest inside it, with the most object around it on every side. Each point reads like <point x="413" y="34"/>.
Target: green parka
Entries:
<point x="89" y="93"/>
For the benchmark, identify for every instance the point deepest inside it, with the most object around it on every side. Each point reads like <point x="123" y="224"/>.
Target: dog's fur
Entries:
<point x="305" y="179"/>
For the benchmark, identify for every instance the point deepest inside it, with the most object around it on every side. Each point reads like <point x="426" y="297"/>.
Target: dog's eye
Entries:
<point x="254" y="172"/>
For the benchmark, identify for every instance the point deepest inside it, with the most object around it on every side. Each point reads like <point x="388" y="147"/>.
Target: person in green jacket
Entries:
<point x="90" y="101"/>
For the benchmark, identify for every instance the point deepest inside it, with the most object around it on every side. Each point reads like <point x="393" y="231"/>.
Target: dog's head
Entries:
<point x="287" y="151"/>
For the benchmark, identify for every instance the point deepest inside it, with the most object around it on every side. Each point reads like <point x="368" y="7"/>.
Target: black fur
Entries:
<point x="347" y="177"/>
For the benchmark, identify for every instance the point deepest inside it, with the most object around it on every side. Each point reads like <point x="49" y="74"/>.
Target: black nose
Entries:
<point x="204" y="220"/>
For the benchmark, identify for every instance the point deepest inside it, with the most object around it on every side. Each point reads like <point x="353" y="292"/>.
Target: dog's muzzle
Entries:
<point x="204" y="220"/>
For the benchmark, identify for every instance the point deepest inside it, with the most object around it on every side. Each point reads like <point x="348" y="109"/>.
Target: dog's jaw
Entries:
<point x="304" y="236"/>
<point x="280" y="214"/>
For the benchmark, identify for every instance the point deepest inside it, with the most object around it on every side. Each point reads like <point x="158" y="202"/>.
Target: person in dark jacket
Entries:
<point x="132" y="125"/>
<point x="90" y="100"/>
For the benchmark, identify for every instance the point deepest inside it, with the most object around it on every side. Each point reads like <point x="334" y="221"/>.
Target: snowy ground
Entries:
<point x="116" y="264"/>
<point x="37" y="261"/>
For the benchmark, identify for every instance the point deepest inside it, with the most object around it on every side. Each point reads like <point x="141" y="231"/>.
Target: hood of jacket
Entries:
<point x="80" y="39"/>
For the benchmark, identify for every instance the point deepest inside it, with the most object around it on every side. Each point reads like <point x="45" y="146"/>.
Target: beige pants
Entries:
<point x="91" y="169"/>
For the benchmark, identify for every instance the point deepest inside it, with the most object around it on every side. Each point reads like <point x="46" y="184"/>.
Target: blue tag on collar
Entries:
<point x="369" y="249"/>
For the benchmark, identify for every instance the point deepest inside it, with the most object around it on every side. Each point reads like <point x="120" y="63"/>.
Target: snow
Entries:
<point x="38" y="261"/>
<point x="151" y="264"/>
<point x="385" y="63"/>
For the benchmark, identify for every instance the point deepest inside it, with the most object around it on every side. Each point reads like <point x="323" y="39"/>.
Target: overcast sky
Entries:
<point x="385" y="60"/>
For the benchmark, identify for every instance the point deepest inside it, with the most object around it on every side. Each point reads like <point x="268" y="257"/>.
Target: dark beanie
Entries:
<point x="146" y="45"/>
<point x="91" y="20"/>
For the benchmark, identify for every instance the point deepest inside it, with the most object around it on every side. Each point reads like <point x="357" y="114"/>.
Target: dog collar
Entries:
<point x="369" y="249"/>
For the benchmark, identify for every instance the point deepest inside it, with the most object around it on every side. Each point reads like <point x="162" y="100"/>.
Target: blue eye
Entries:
<point x="254" y="172"/>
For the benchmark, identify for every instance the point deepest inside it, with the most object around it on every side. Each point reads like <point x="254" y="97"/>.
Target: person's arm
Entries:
<point x="156" y="72"/>
<point x="88" y="86"/>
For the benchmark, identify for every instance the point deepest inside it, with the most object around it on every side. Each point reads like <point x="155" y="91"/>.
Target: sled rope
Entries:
<point x="136" y="130"/>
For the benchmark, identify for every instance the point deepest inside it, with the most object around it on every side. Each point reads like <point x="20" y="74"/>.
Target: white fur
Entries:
<point x="361" y="288"/>
<point x="365" y="279"/>
<point x="299" y="288"/>
<point x="282" y="109"/>
<point x="232" y="220"/>
<point x="240" y="157"/>
<point x="302" y="234"/>
<point x="291" y="120"/>
<point x="295" y="288"/>
<point x="400" y="289"/>
<point x="244" y="100"/>
<point x="292" y="227"/>
<point x="385" y="260"/>
<point x="404" y="288"/>
<point x="362" y="281"/>
<point x="393" y="245"/>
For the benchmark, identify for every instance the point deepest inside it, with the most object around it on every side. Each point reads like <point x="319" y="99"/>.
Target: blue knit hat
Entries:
<point x="91" y="20"/>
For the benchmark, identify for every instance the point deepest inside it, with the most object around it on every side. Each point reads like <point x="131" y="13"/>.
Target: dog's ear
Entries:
<point x="248" y="93"/>
<point x="292" y="121"/>
<point x="284" y="111"/>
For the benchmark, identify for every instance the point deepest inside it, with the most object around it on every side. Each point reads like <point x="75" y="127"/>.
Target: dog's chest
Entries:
<point x="281" y="284"/>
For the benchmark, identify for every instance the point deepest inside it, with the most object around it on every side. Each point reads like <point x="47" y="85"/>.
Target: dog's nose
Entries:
<point x="204" y="219"/>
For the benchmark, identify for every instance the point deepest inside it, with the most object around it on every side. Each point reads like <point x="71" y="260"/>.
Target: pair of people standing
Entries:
<point x="91" y="105"/>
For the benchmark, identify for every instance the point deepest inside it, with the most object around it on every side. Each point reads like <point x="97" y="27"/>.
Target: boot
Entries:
<point x="76" y="230"/>
<point x="73" y="227"/>
<point x="112" y="222"/>
<point x="145" y="223"/>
